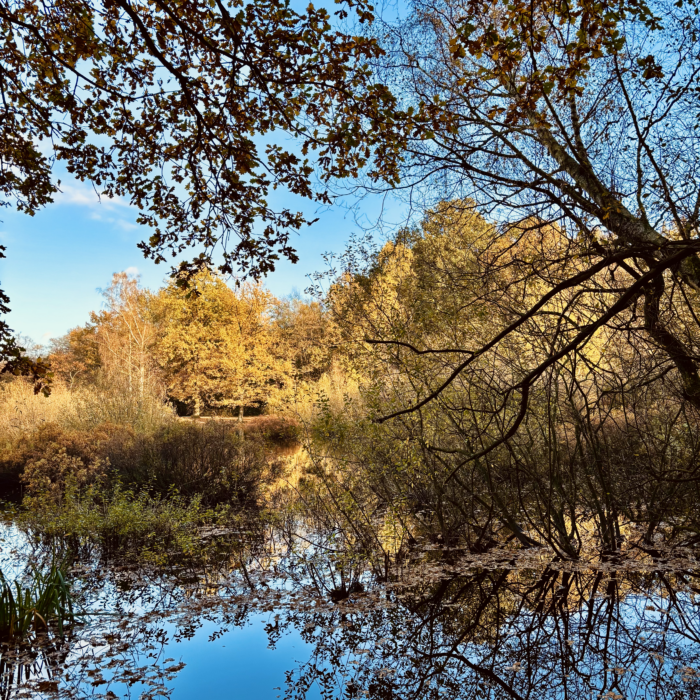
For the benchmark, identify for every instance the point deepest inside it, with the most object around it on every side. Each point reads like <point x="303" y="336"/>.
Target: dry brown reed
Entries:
<point x="83" y="408"/>
<point x="337" y="392"/>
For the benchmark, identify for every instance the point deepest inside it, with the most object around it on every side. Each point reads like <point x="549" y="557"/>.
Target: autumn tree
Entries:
<point x="115" y="346"/>
<point x="161" y="103"/>
<point x="215" y="345"/>
<point x="75" y="356"/>
<point x="125" y="335"/>
<point x="576" y="118"/>
<point x="304" y="334"/>
<point x="418" y="299"/>
<point x="605" y="435"/>
<point x="579" y="114"/>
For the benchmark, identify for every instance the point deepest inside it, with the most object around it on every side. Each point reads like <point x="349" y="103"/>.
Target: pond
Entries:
<point x="281" y="625"/>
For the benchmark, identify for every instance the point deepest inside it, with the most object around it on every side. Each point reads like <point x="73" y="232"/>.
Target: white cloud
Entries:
<point x="107" y="210"/>
<point x="85" y="196"/>
<point x="125" y="225"/>
<point x="133" y="270"/>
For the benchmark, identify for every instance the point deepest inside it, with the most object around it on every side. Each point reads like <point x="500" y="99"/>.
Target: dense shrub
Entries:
<point x="214" y="460"/>
<point x="118" y="521"/>
<point x="276" y="431"/>
<point x="148" y="496"/>
<point x="83" y="447"/>
<point x="132" y="487"/>
<point x="50" y="475"/>
<point x="211" y="460"/>
<point x="79" y="420"/>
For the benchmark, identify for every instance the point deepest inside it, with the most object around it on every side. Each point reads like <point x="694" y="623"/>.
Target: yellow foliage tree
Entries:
<point x="305" y="335"/>
<point x="216" y="346"/>
<point x="125" y="333"/>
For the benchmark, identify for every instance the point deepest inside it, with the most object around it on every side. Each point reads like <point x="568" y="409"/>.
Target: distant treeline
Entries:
<point x="207" y="347"/>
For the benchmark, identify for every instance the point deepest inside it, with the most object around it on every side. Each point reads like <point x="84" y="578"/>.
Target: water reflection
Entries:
<point x="276" y="628"/>
<point x="485" y="634"/>
<point x="32" y="663"/>
<point x="510" y="634"/>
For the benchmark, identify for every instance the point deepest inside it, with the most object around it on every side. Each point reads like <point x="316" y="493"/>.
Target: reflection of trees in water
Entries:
<point x="506" y="634"/>
<point x="120" y="651"/>
<point x="130" y="613"/>
<point x="32" y="660"/>
<point x="525" y="633"/>
<point x="120" y="648"/>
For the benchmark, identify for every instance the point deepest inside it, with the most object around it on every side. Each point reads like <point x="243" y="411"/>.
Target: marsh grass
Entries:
<point x="82" y="408"/>
<point x="336" y="392"/>
<point x="44" y="601"/>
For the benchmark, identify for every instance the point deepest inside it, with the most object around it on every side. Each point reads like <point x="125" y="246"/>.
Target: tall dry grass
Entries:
<point x="337" y="392"/>
<point x="84" y="408"/>
<point x="22" y="411"/>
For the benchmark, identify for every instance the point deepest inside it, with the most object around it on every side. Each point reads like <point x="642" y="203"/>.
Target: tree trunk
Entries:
<point x="197" y="406"/>
<point x="240" y="414"/>
<point x="684" y="361"/>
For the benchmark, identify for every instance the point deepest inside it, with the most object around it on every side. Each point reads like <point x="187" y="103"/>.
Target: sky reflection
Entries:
<point x="537" y="633"/>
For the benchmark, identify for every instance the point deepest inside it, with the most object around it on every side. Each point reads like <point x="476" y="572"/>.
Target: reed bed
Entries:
<point x="82" y="408"/>
<point x="336" y="392"/>
<point x="41" y="602"/>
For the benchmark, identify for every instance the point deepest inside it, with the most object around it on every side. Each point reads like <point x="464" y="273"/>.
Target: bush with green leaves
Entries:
<point x="119" y="522"/>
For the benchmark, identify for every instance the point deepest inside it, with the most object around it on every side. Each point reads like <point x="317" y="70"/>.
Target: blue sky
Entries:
<point x="59" y="259"/>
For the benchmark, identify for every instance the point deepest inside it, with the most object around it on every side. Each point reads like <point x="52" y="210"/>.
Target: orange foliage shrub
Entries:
<point x="50" y="475"/>
<point x="81" y="447"/>
<point x="274" y="429"/>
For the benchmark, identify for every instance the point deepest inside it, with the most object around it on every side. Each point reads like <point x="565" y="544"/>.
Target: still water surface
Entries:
<point x="240" y="665"/>
<point x="454" y="631"/>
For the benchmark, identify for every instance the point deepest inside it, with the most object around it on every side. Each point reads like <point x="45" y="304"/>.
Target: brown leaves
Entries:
<point x="178" y="93"/>
<point x="48" y="477"/>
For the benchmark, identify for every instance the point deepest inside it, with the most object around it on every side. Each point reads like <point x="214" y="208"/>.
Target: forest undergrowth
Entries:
<point x="131" y="481"/>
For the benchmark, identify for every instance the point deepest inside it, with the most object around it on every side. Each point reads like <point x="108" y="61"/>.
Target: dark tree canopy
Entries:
<point x="586" y="114"/>
<point x="184" y="109"/>
<point x="163" y="103"/>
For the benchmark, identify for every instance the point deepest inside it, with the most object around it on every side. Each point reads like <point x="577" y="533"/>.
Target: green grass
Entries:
<point x="45" y="600"/>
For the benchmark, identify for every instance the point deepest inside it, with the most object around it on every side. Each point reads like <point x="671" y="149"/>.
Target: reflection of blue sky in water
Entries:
<point x="239" y="665"/>
<point x="223" y="659"/>
<point x="535" y="635"/>
<point x="607" y="649"/>
<point x="636" y="653"/>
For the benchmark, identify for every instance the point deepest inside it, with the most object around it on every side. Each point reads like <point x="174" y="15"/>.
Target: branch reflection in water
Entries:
<point x="437" y="630"/>
<point x="512" y="634"/>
